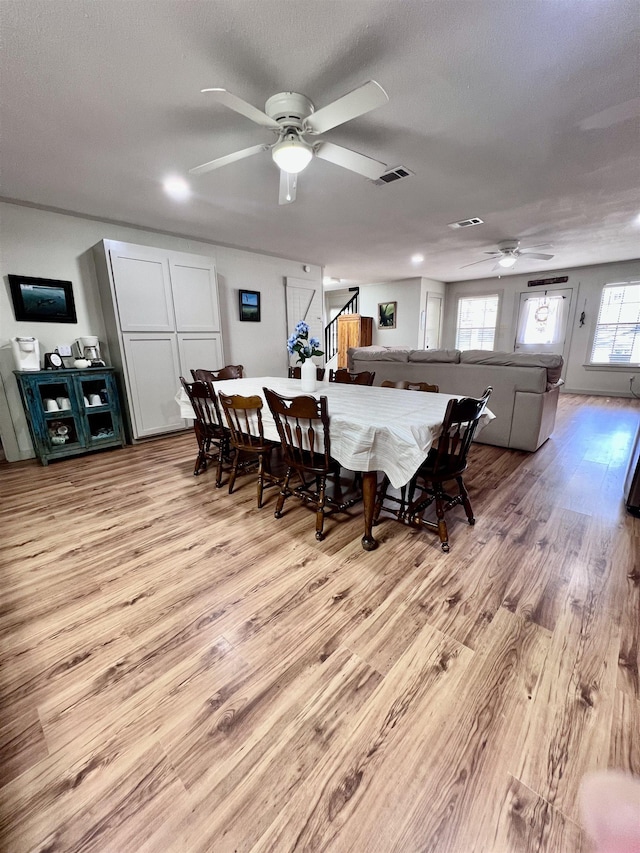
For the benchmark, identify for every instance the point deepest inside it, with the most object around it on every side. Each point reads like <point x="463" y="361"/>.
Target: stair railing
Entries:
<point x="331" y="330"/>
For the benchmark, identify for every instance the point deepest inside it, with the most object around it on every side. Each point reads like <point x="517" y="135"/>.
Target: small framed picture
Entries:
<point x="387" y="315"/>
<point x="250" y="305"/>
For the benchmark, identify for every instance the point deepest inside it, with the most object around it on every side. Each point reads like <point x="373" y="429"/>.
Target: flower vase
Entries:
<point x="308" y="376"/>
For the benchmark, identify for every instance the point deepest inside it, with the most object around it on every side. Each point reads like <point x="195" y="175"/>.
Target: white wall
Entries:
<point x="406" y="292"/>
<point x="58" y="246"/>
<point x="586" y="283"/>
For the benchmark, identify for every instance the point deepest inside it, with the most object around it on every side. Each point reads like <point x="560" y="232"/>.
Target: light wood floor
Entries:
<point x="182" y="672"/>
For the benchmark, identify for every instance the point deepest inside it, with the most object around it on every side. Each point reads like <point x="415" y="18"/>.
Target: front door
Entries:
<point x="542" y="321"/>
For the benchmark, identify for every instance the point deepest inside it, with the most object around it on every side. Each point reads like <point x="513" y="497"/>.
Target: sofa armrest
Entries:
<point x="534" y="417"/>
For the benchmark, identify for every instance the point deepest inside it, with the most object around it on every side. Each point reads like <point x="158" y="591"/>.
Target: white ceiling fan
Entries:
<point x="293" y="118"/>
<point x="509" y="252"/>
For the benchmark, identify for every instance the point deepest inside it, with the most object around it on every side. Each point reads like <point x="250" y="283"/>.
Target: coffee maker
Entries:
<point x="88" y="347"/>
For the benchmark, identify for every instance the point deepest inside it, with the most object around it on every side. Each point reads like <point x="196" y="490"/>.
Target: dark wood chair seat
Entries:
<point x="208" y="427"/>
<point x="365" y="377"/>
<point x="244" y="418"/>
<point x="296" y="373"/>
<point x="230" y="371"/>
<point x="303" y="426"/>
<point x="445" y="462"/>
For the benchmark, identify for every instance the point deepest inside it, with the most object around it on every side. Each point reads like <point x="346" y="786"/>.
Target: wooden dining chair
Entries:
<point x="445" y="462"/>
<point x="208" y="427"/>
<point x="244" y="419"/>
<point x="389" y="383"/>
<point x="303" y="426"/>
<point x="296" y="373"/>
<point x="230" y="371"/>
<point x="342" y="375"/>
<point x="420" y="386"/>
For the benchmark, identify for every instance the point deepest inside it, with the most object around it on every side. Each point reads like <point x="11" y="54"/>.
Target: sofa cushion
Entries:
<point x="551" y="361"/>
<point x="451" y="356"/>
<point x="374" y="353"/>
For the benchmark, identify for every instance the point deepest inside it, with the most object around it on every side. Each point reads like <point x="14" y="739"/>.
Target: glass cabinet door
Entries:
<point x="54" y="405"/>
<point x="98" y="400"/>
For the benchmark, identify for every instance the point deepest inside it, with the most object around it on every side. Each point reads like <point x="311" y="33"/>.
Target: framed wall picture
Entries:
<point x="42" y="300"/>
<point x="387" y="315"/>
<point x="250" y="305"/>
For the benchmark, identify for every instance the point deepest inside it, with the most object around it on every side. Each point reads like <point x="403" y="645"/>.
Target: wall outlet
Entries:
<point x="63" y="349"/>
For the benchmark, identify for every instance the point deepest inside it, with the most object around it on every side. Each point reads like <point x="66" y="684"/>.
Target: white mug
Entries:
<point x="63" y="403"/>
<point x="50" y="405"/>
<point x="95" y="400"/>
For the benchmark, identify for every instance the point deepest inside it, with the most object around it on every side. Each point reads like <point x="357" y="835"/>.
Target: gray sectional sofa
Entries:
<point x="525" y="386"/>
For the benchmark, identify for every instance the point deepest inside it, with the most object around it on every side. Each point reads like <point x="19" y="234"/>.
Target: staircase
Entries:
<point x="331" y="330"/>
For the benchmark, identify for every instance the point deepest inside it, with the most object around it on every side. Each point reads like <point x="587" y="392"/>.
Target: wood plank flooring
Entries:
<point x="180" y="671"/>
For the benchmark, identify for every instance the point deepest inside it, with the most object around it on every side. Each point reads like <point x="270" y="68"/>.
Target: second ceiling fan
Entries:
<point x="509" y="252"/>
<point x="294" y="118"/>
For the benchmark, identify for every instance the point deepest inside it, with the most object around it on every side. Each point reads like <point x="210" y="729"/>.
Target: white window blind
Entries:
<point x="617" y="335"/>
<point x="477" y="320"/>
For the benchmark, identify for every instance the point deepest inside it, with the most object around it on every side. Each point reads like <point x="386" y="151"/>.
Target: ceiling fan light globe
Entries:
<point x="507" y="261"/>
<point x="292" y="155"/>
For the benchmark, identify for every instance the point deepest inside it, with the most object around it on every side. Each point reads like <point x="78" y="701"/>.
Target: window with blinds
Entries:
<point x="617" y="335"/>
<point x="477" y="321"/>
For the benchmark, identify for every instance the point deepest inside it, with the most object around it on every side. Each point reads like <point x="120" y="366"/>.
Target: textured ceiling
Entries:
<point x="522" y="113"/>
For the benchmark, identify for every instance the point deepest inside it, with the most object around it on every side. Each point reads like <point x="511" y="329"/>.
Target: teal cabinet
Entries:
<point x="71" y="411"/>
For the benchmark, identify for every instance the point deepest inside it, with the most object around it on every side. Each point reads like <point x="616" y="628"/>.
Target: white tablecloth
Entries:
<point x="372" y="429"/>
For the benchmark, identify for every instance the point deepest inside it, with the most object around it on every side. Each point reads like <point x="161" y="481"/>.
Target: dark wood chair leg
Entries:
<point x="320" y="509"/>
<point x="234" y="471"/>
<point x="284" y="491"/>
<point x="443" y="533"/>
<point x="260" y="478"/>
<point x="466" y="503"/>
<point x="382" y="493"/>
<point x="222" y="449"/>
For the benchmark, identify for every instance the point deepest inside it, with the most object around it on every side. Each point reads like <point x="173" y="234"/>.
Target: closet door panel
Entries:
<point x="143" y="291"/>
<point x="198" y="351"/>
<point x="195" y="296"/>
<point x="153" y="373"/>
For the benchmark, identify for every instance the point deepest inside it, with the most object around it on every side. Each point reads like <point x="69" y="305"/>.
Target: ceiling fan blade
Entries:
<point x="363" y="99"/>
<point x="536" y="255"/>
<point x="243" y="107"/>
<point x="535" y="246"/>
<point x="288" y="187"/>
<point x="612" y="115"/>
<point x="229" y="158"/>
<point x="483" y="261"/>
<point x="348" y="159"/>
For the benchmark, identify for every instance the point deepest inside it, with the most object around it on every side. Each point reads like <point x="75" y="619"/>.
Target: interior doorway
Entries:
<point x="431" y="322"/>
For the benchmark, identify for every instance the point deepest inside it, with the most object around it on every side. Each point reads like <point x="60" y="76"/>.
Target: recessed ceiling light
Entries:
<point x="177" y="188"/>
<point x="417" y="259"/>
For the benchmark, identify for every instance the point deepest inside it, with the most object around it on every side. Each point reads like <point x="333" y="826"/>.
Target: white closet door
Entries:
<point x="143" y="289"/>
<point x="153" y="378"/>
<point x="304" y="302"/>
<point x="195" y="296"/>
<point x="198" y="351"/>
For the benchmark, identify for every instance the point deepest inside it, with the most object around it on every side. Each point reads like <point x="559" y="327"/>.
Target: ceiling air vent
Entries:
<point x="393" y="175"/>
<point x="466" y="223"/>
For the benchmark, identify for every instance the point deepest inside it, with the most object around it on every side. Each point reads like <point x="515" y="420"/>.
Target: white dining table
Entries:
<point x="371" y="428"/>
